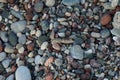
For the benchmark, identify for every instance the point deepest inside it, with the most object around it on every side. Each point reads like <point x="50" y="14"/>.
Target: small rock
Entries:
<point x="44" y="45"/>
<point x="107" y="5"/>
<point x="102" y="0"/>
<point x="22" y="39"/>
<point x="78" y="40"/>
<point x="30" y="46"/>
<point x="3" y="36"/>
<point x="6" y="63"/>
<point x="9" y="49"/>
<point x="42" y="60"/>
<point x="10" y="77"/>
<point x="58" y="62"/>
<point x="95" y="34"/>
<point x="38" y="33"/>
<point x="116" y="32"/>
<point x="22" y="73"/>
<point x="2" y="77"/>
<point x="42" y="39"/>
<point x="1" y="48"/>
<point x="12" y="37"/>
<point x="2" y="56"/>
<point x="116" y="20"/>
<point x="18" y="26"/>
<point x="21" y="50"/>
<point x="118" y="54"/>
<point x="76" y="52"/>
<point x="105" y="33"/>
<point x="105" y="19"/>
<point x="70" y="2"/>
<point x="50" y="3"/>
<point x="45" y="25"/>
<point x="61" y="34"/>
<point x="68" y="14"/>
<point x="38" y="7"/>
<point x="56" y="46"/>
<point x="49" y="76"/>
<point x="49" y="61"/>
<point x="37" y="59"/>
<point x="17" y="14"/>
<point x="29" y="16"/>
<point x="114" y="3"/>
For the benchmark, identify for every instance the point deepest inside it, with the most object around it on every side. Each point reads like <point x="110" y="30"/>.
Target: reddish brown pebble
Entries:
<point x="49" y="61"/>
<point x="11" y="1"/>
<point x="13" y="68"/>
<point x="28" y="16"/>
<point x="49" y="76"/>
<point x="105" y="19"/>
<point x="30" y="47"/>
<point x="1" y="48"/>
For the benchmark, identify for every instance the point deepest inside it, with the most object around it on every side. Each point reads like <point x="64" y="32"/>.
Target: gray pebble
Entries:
<point x="50" y="3"/>
<point x="58" y="62"/>
<point x="22" y="39"/>
<point x="9" y="49"/>
<point x="12" y="38"/>
<point x="38" y="7"/>
<point x="3" y="36"/>
<point x="76" y="52"/>
<point x="105" y="33"/>
<point x="10" y="77"/>
<point x="6" y="63"/>
<point x="2" y="56"/>
<point x="116" y="31"/>
<point x="70" y="2"/>
<point x="45" y="25"/>
<point x="18" y="26"/>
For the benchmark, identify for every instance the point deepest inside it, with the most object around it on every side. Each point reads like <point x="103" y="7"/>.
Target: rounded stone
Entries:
<point x="70" y="2"/>
<point x="38" y="7"/>
<point x="76" y="52"/>
<point x="50" y="3"/>
<point x="105" y="33"/>
<point x="105" y="19"/>
<point x="2" y="56"/>
<point x="22" y="73"/>
<point x="58" y="62"/>
<point x="37" y="59"/>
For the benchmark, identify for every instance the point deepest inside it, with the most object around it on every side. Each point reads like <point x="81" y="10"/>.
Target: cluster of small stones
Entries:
<point x="59" y="40"/>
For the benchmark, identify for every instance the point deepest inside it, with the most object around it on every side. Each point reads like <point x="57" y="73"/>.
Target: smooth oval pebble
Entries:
<point x="70" y="2"/>
<point x="49" y="61"/>
<point x="105" y="19"/>
<point x="2" y="56"/>
<point x="50" y="3"/>
<point x="37" y="59"/>
<point x="44" y="45"/>
<point x="95" y="34"/>
<point x="56" y="46"/>
<point x="22" y="73"/>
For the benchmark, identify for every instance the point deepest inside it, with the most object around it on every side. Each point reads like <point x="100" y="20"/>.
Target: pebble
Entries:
<point x="56" y="46"/>
<point x="37" y="59"/>
<point x="50" y="3"/>
<point x="3" y="36"/>
<point x="105" y="19"/>
<point x="38" y="33"/>
<point x="22" y="39"/>
<point x="18" y="26"/>
<point x="45" y="25"/>
<point x="30" y="46"/>
<point x="42" y="60"/>
<point x="42" y="39"/>
<point x="12" y="38"/>
<point x="61" y="34"/>
<point x="44" y="45"/>
<point x="76" y="52"/>
<point x="68" y="14"/>
<point x="118" y="54"/>
<point x="6" y="63"/>
<point x="103" y="0"/>
<point x="1" y="48"/>
<point x="22" y="73"/>
<point x="78" y="40"/>
<point x="2" y="56"/>
<point x="116" y="20"/>
<point x="49" y="61"/>
<point x="38" y="7"/>
<point x="2" y="77"/>
<point x="10" y="77"/>
<point x="70" y="2"/>
<point x="107" y="6"/>
<point x="9" y="49"/>
<point x="58" y="62"/>
<point x="49" y="76"/>
<point x="21" y="50"/>
<point x="115" y="31"/>
<point x="17" y="14"/>
<point x="105" y="33"/>
<point x="114" y="3"/>
<point x="95" y="34"/>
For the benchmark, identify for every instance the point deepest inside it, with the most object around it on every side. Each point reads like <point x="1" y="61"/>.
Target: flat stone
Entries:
<point x="76" y="52"/>
<point x="95" y="34"/>
<point x="2" y="56"/>
<point x="116" y="31"/>
<point x="22" y="39"/>
<point x="105" y="33"/>
<point x="44" y="45"/>
<point x="18" y="26"/>
<point x="70" y="2"/>
<point x="6" y="63"/>
<point x="3" y="36"/>
<point x="50" y="3"/>
<point x="10" y="77"/>
<point x="12" y="37"/>
<point x="9" y="49"/>
<point x="38" y="7"/>
<point x="58" y="62"/>
<point x="22" y="73"/>
<point x="37" y="59"/>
